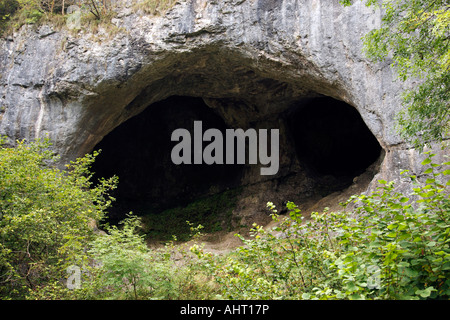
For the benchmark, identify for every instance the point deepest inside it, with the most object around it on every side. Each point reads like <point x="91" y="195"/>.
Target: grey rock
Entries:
<point x="248" y="59"/>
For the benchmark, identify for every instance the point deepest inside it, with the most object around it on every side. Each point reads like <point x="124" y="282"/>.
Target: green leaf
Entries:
<point x="306" y="296"/>
<point x="426" y="161"/>
<point x="392" y="234"/>
<point x="411" y="272"/>
<point x="392" y="226"/>
<point x="426" y="292"/>
<point x="396" y="206"/>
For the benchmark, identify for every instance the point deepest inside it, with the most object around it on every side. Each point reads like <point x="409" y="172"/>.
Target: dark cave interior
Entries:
<point x="139" y="153"/>
<point x="331" y="141"/>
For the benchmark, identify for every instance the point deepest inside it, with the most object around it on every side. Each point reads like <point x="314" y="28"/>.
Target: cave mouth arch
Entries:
<point x="332" y="140"/>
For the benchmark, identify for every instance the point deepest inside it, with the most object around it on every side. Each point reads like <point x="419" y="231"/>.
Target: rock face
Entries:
<point x="251" y="61"/>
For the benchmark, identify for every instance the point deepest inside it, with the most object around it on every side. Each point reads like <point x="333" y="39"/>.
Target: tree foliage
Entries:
<point x="394" y="246"/>
<point x="129" y="269"/>
<point x="7" y="9"/>
<point x="46" y="215"/>
<point x="415" y="34"/>
<point x="124" y="259"/>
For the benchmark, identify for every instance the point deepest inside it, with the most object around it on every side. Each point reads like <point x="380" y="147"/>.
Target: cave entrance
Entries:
<point x="332" y="142"/>
<point x="327" y="138"/>
<point x="139" y="152"/>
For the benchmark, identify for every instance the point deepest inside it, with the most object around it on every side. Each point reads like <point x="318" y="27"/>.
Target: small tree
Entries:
<point x="127" y="265"/>
<point x="124" y="258"/>
<point x="47" y="216"/>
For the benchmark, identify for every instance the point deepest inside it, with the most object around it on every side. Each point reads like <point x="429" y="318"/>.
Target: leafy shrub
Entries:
<point x="119" y="265"/>
<point x="7" y="9"/>
<point x="47" y="216"/>
<point x="47" y="224"/>
<point x="125" y="261"/>
<point x="391" y="247"/>
<point x="406" y="239"/>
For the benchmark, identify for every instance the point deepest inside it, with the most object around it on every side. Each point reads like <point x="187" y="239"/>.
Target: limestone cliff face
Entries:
<point x="249" y="60"/>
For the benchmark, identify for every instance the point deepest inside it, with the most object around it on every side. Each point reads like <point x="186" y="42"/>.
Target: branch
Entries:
<point x="96" y="13"/>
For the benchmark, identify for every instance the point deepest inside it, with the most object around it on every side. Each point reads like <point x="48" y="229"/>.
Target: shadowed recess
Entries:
<point x="139" y="153"/>
<point x="331" y="140"/>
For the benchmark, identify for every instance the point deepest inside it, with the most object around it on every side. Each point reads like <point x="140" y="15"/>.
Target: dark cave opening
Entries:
<point x="332" y="141"/>
<point x="139" y="152"/>
<point x="332" y="144"/>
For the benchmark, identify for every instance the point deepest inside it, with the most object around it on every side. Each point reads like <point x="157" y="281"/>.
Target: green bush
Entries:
<point x="127" y="267"/>
<point x="405" y="238"/>
<point x="391" y="247"/>
<point x="120" y="266"/>
<point x="7" y="9"/>
<point x="47" y="216"/>
<point x="47" y="224"/>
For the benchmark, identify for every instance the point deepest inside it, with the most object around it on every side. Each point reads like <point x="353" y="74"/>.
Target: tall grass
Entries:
<point x="154" y="7"/>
